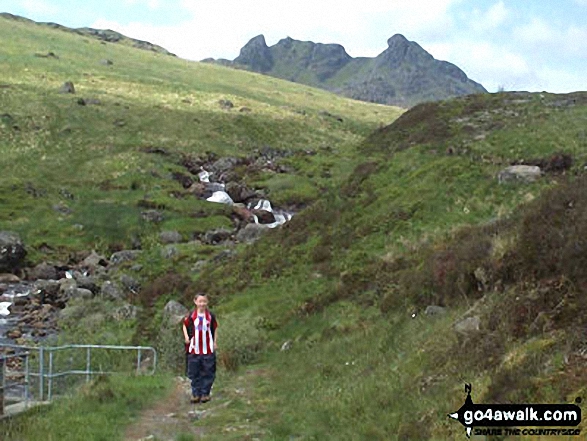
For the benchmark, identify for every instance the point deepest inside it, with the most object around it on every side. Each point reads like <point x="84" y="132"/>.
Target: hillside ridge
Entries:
<point x="105" y="35"/>
<point x="404" y="74"/>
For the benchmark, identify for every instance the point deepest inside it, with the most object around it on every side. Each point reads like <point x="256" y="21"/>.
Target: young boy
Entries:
<point x="199" y="331"/>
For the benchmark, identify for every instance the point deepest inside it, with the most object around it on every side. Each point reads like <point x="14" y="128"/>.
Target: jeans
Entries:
<point x="202" y="372"/>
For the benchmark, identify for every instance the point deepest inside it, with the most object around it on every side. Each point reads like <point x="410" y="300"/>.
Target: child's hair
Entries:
<point x="200" y="294"/>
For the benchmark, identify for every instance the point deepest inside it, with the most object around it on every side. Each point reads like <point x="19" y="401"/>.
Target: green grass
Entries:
<point x="100" y="411"/>
<point x="95" y="152"/>
<point x="397" y="218"/>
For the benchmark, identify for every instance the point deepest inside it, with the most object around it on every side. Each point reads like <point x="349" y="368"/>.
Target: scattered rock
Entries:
<point x="245" y="110"/>
<point x="330" y="115"/>
<point x="77" y="293"/>
<point x="214" y="237"/>
<point x="88" y="101"/>
<point x="251" y="233"/>
<point x="94" y="260"/>
<point x="175" y="311"/>
<point x="239" y="192"/>
<point x="226" y="104"/>
<point x="111" y="291"/>
<point x="520" y="173"/>
<point x="152" y="216"/>
<point x="47" y="55"/>
<point x="264" y="216"/>
<point x="125" y="312"/>
<point x="43" y="271"/>
<point x="169" y="251"/>
<point x="223" y="164"/>
<point x="130" y="283"/>
<point x="106" y="62"/>
<point x="198" y="266"/>
<point x="286" y="346"/>
<point x="9" y="278"/>
<point x="435" y="310"/>
<point x="124" y="256"/>
<point x="67" y="87"/>
<point x="170" y="237"/>
<point x="62" y="209"/>
<point x="88" y="283"/>
<point x="119" y="123"/>
<point x="14" y="334"/>
<point x="12" y="251"/>
<point x="468" y="325"/>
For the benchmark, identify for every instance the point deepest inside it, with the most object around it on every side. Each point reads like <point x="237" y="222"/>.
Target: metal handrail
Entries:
<point x="3" y="388"/>
<point x="50" y="374"/>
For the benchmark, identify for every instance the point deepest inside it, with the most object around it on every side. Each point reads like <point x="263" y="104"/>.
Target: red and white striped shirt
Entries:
<point x="202" y="341"/>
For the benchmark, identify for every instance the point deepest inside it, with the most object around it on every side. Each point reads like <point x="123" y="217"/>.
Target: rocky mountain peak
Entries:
<point x="256" y="55"/>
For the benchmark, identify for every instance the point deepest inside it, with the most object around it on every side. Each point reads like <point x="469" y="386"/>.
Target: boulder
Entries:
<point x="170" y="237"/>
<point x="519" y="173"/>
<point x="89" y="283"/>
<point x="111" y="291"/>
<point x="130" y="283"/>
<point x="214" y="237"/>
<point x="152" y="216"/>
<point x="93" y="260"/>
<point x="175" y="311"/>
<point x="124" y="256"/>
<point x="169" y="251"/>
<point x="12" y="251"/>
<point x="226" y="104"/>
<point x="264" y="216"/>
<point x="125" y="312"/>
<point x="9" y="278"/>
<point x="223" y="164"/>
<point x="243" y="214"/>
<point x="435" y="310"/>
<point x="468" y="325"/>
<point x="67" y="87"/>
<point x="77" y="293"/>
<point x="239" y="192"/>
<point x="43" y="271"/>
<point x="251" y="233"/>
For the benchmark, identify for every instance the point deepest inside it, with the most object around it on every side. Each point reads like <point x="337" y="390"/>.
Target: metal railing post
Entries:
<point x="88" y="363"/>
<point x="26" y="381"/>
<point x="41" y="374"/>
<point x="138" y="361"/>
<point x="1" y="385"/>
<point x="50" y="375"/>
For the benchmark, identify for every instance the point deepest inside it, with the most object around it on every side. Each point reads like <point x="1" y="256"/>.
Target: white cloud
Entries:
<point x="484" y="62"/>
<point x="482" y="42"/>
<point x="151" y="4"/>
<point x="39" y="7"/>
<point x="221" y="28"/>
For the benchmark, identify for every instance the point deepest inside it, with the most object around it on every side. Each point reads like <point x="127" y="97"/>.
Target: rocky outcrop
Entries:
<point x="404" y="74"/>
<point x="12" y="251"/>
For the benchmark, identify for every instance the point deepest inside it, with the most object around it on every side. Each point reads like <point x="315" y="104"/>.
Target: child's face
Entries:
<point x="201" y="303"/>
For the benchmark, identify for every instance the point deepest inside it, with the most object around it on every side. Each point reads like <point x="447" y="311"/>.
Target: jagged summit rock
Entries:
<point x="256" y="55"/>
<point x="404" y="74"/>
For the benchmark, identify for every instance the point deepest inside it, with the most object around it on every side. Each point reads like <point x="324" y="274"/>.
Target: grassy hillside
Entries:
<point x="409" y="215"/>
<point x="94" y="158"/>
<point x="424" y="221"/>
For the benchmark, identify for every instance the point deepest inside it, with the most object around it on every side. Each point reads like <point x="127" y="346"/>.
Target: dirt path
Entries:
<point x="237" y="411"/>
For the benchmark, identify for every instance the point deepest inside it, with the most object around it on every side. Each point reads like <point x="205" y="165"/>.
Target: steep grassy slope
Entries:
<point x="424" y="221"/>
<point x="78" y="176"/>
<point x="412" y="215"/>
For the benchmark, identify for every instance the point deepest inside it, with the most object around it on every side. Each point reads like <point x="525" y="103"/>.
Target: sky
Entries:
<point x="532" y="45"/>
